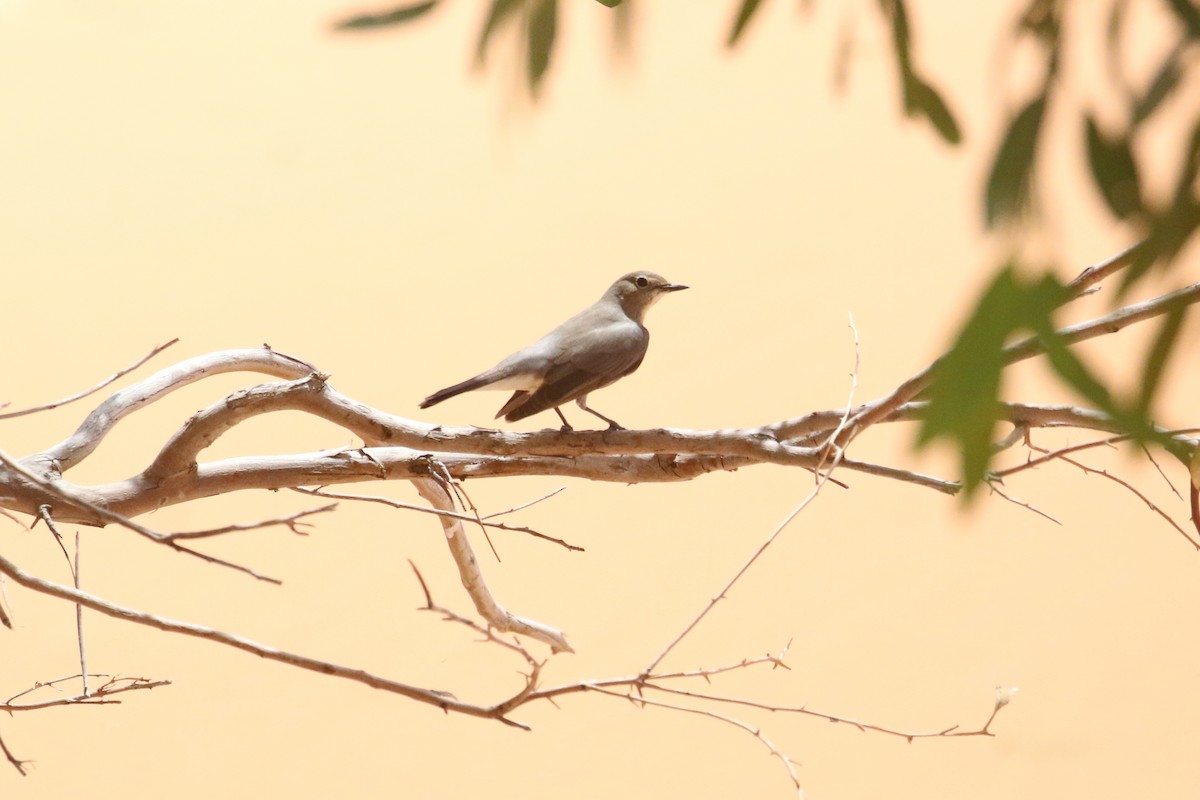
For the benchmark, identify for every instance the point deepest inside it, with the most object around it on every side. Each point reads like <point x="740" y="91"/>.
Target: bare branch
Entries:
<point x="220" y="637"/>
<point x="996" y="489"/>
<point x="1109" y="323"/>
<point x="17" y="763"/>
<point x="524" y="506"/>
<point x="757" y="733"/>
<point x="472" y="579"/>
<point x="98" y="424"/>
<point x="487" y="633"/>
<point x="99" y="696"/>
<point x="292" y="522"/>
<point x="73" y="500"/>
<point x="1149" y="503"/>
<point x="387" y="501"/>
<point x="762" y="548"/>
<point x="46" y="517"/>
<point x="1085" y="281"/>
<point x="953" y="730"/>
<point x="5" y="619"/>
<point x="79" y="396"/>
<point x="1150" y="457"/>
<point x="83" y="670"/>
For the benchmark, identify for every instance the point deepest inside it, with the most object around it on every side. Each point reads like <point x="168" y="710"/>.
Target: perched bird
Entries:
<point x="599" y="345"/>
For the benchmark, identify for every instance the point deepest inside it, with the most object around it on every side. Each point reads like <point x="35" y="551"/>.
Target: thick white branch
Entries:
<point x="435" y="493"/>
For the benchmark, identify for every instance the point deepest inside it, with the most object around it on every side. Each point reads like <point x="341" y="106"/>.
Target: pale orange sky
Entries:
<point x="242" y="175"/>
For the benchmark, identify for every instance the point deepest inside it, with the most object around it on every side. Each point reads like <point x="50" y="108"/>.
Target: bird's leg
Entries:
<point x="566" y="428"/>
<point x="613" y="425"/>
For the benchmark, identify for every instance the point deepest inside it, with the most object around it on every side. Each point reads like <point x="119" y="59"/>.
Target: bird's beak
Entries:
<point x="673" y="287"/>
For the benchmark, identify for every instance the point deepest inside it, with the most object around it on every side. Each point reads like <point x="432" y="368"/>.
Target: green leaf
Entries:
<point x="1114" y="171"/>
<point x="1172" y="228"/>
<point x="1160" y="88"/>
<point x="1191" y="164"/>
<point x="1188" y="14"/>
<point x="1112" y="31"/>
<point x="1160" y="352"/>
<point x="897" y="15"/>
<point x="1008" y="184"/>
<point x="1042" y="19"/>
<point x="1072" y="370"/>
<point x="744" y="13"/>
<point x="1170" y="232"/>
<point x="501" y="11"/>
<point x="1131" y="421"/>
<point x="543" y="26"/>
<point x="610" y="3"/>
<point x="396" y="16"/>
<point x="920" y="97"/>
<point x="964" y="396"/>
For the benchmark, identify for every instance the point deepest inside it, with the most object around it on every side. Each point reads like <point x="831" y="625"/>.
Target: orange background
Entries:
<point x="238" y="174"/>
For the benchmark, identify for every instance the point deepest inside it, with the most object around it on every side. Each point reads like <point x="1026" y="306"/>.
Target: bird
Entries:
<point x="596" y="347"/>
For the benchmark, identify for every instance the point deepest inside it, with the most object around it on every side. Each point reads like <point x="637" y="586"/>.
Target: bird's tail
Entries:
<point x="468" y="385"/>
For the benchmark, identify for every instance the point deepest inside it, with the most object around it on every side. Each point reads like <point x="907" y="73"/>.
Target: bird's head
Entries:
<point x="637" y="291"/>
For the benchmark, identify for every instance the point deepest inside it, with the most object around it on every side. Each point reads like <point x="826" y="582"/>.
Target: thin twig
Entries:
<point x="487" y="633"/>
<point x="992" y="485"/>
<point x="524" y="506"/>
<point x="1149" y="503"/>
<point x="1163" y="475"/>
<point x="113" y="685"/>
<point x="53" y="489"/>
<point x="464" y="501"/>
<point x="812" y="495"/>
<point x="1053" y="455"/>
<point x="237" y="642"/>
<point x="822" y="477"/>
<point x="1062" y="455"/>
<point x="83" y="670"/>
<point x="387" y="501"/>
<point x="831" y="441"/>
<point x="46" y="517"/>
<point x="953" y="730"/>
<point x="17" y="763"/>
<point x="757" y="733"/>
<point x="5" y="619"/>
<point x="436" y="493"/>
<point x="110" y="379"/>
<point x="292" y="522"/>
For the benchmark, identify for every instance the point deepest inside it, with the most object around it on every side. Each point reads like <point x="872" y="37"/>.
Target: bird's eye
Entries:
<point x="642" y="282"/>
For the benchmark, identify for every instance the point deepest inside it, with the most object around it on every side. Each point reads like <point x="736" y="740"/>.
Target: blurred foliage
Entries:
<point x="964" y="397"/>
<point x="393" y="17"/>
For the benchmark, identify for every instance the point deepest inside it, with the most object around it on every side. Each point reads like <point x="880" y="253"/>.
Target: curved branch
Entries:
<point x="88" y="392"/>
<point x="88" y="436"/>
<point x="498" y="617"/>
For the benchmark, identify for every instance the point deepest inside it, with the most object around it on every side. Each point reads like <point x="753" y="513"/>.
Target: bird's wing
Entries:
<point x="606" y="355"/>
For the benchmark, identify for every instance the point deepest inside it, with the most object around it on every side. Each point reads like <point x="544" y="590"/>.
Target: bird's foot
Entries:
<point x="612" y="426"/>
<point x="566" y="428"/>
